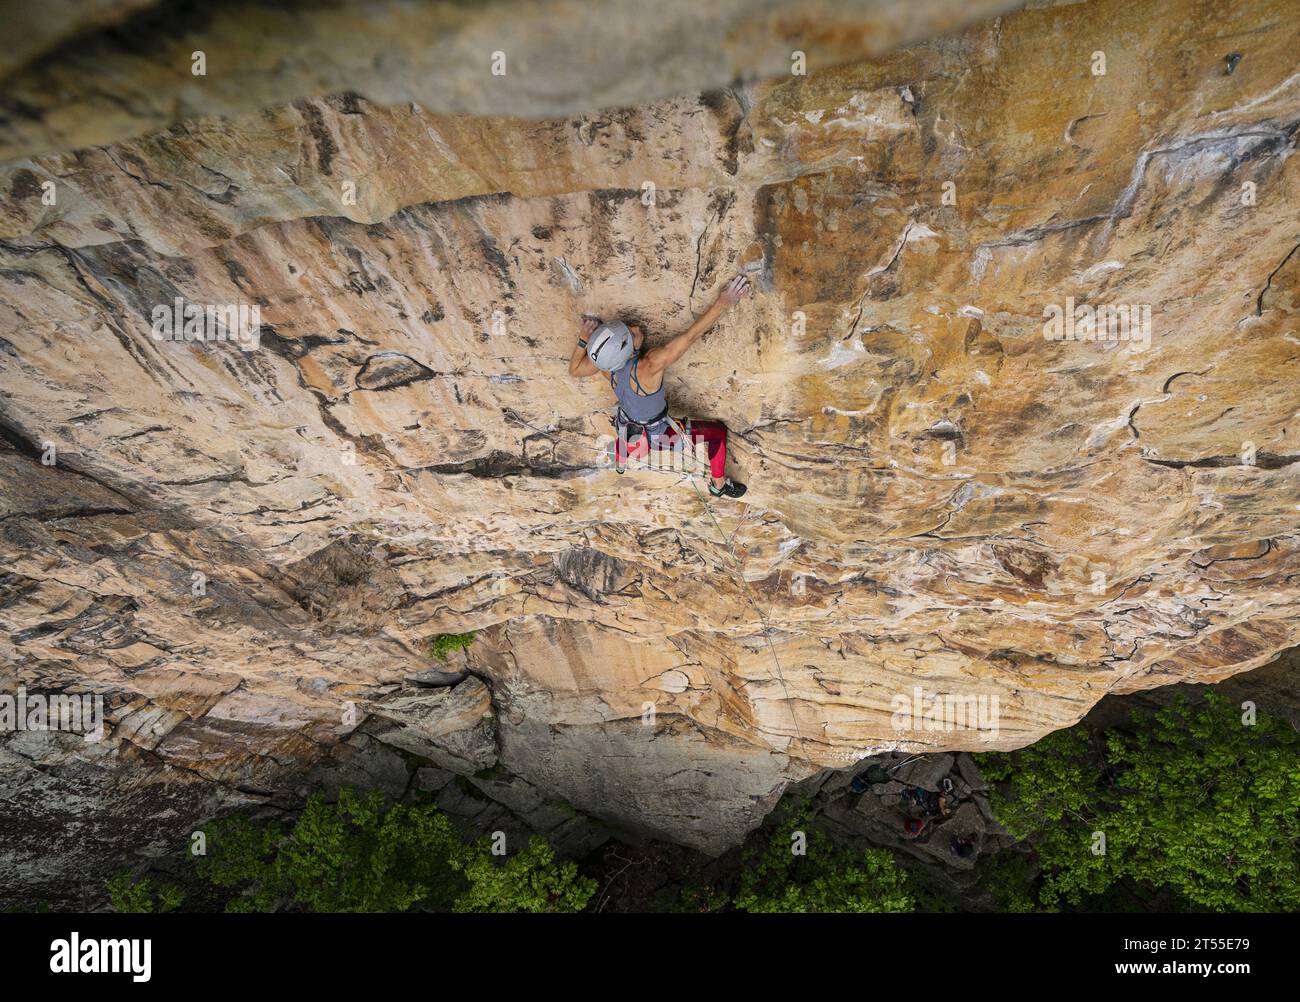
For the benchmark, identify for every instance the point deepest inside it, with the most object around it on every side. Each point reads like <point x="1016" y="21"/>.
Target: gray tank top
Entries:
<point x="639" y="407"/>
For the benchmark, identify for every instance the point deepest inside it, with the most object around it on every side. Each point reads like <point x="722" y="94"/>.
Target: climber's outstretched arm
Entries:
<point x="658" y="359"/>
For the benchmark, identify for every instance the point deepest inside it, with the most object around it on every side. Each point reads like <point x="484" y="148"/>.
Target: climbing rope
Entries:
<point x="767" y="628"/>
<point x="726" y="542"/>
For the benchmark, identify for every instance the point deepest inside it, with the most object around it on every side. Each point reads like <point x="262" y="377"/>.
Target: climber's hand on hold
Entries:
<point x="589" y="324"/>
<point x="733" y="292"/>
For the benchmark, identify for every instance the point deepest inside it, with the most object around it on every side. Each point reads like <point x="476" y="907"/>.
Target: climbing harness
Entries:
<point x="628" y="434"/>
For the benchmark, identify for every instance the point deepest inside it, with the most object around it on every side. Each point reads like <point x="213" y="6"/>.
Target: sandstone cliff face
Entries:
<point x="940" y="497"/>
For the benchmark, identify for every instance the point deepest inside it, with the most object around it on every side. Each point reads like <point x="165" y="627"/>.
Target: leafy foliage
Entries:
<point x="353" y="856"/>
<point x="446" y="643"/>
<point x="529" y="881"/>
<point x="699" y="892"/>
<point x="1010" y="878"/>
<point x="360" y="856"/>
<point x="128" y="895"/>
<point x="825" y="879"/>
<point x="1192" y="802"/>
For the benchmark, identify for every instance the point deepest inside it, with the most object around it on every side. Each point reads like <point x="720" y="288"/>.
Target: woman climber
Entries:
<point x="642" y="422"/>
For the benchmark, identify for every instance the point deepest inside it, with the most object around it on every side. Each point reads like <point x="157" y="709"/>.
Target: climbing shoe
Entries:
<point x="729" y="489"/>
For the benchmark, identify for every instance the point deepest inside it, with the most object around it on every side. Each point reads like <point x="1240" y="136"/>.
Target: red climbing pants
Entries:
<point x="712" y="432"/>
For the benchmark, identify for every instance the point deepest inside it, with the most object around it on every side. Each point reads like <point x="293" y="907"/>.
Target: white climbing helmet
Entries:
<point x="610" y="346"/>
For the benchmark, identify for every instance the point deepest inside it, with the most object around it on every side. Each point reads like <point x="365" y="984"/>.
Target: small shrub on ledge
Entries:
<point x="446" y="643"/>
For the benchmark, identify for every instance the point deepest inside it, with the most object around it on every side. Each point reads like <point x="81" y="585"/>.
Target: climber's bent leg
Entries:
<point x="714" y="433"/>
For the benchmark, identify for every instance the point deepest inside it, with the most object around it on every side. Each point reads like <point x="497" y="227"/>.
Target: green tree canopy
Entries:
<point x="353" y="856"/>
<point x="359" y="855"/>
<point x="128" y="895"/>
<point x="824" y="878"/>
<point x="1194" y="800"/>
<point x="529" y="881"/>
